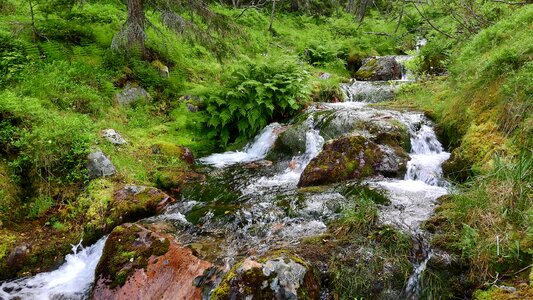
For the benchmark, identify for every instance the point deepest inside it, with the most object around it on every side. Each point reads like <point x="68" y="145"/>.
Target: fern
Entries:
<point x="255" y="94"/>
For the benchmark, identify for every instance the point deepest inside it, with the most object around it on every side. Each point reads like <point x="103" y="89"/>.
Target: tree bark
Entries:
<point x="272" y="14"/>
<point x="136" y="26"/>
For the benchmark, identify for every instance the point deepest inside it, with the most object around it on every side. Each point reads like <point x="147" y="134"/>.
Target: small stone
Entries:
<point x="99" y="165"/>
<point x="192" y="107"/>
<point x="325" y="76"/>
<point x="113" y="137"/>
<point x="18" y="255"/>
<point x="131" y="94"/>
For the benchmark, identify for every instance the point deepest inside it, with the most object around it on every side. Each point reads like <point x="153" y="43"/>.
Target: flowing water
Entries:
<point x="72" y="280"/>
<point x="248" y="206"/>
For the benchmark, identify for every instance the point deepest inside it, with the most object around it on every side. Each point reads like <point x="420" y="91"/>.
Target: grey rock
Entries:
<point x="131" y="94"/>
<point x="325" y="76"/>
<point x="113" y="137"/>
<point x="99" y="165"/>
<point x="393" y="163"/>
<point x="134" y="189"/>
<point x="192" y="108"/>
<point x="18" y="255"/>
<point x="379" y="68"/>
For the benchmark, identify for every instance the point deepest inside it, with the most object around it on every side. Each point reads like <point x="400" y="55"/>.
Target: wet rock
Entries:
<point x="132" y="93"/>
<point x="258" y="164"/>
<point x="113" y="137"/>
<point x="381" y="127"/>
<point x="142" y="262"/>
<point x="292" y="141"/>
<point x="379" y="68"/>
<point x="279" y="276"/>
<point x="353" y="157"/>
<point x="457" y="168"/>
<point x="99" y="165"/>
<point x="393" y="162"/>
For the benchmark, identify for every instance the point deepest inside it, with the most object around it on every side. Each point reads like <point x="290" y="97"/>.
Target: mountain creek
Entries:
<point x="337" y="197"/>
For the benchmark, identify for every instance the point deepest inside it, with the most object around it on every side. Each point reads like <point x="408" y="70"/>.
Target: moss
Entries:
<point x="127" y="249"/>
<point x="6" y="243"/>
<point x="343" y="159"/>
<point x="218" y="211"/>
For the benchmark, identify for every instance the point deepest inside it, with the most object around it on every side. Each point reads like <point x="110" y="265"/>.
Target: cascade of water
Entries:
<point x="255" y="150"/>
<point x="313" y="145"/>
<point x="377" y="91"/>
<point x="71" y="281"/>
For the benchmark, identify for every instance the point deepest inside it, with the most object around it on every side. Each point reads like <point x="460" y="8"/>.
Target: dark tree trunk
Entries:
<point x="136" y="25"/>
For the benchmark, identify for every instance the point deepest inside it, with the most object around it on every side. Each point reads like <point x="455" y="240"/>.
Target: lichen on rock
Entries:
<point x="281" y="275"/>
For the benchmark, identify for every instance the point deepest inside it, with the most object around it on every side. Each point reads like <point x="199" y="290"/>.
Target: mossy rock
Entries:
<point x="127" y="249"/>
<point x="457" y="168"/>
<point x="114" y="205"/>
<point x="379" y="68"/>
<point x="353" y="157"/>
<point x="280" y="275"/>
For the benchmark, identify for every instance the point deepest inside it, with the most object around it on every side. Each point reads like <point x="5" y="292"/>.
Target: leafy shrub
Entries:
<point x="318" y="54"/>
<point x="77" y="87"/>
<point x="13" y="58"/>
<point x="47" y="147"/>
<point x="67" y="32"/>
<point x="254" y="95"/>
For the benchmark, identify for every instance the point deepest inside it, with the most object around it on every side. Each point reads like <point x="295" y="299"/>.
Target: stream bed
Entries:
<point x="251" y="202"/>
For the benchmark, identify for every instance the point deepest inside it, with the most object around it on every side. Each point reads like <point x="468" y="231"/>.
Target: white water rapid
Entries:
<point x="255" y="150"/>
<point x="71" y="281"/>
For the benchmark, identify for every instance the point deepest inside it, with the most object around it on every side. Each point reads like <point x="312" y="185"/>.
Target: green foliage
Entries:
<point x="39" y="206"/>
<point x="48" y="147"/>
<point x="317" y="54"/>
<point x="253" y="95"/>
<point x="13" y="58"/>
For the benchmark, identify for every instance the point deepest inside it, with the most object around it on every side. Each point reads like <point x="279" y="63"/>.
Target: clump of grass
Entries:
<point x="489" y="223"/>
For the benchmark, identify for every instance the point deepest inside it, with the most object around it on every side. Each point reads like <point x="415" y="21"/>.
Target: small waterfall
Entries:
<point x="427" y="157"/>
<point x="377" y="91"/>
<point x="255" y="150"/>
<point x="72" y="280"/>
<point x="313" y="145"/>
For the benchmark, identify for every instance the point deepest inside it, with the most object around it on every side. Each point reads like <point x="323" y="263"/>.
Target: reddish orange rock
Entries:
<point x="158" y="267"/>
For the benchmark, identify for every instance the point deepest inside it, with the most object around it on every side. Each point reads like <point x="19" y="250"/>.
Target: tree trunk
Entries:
<point x="136" y="25"/>
<point x="272" y="14"/>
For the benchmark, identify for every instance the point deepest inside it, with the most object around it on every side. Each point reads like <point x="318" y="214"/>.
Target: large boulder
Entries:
<point x="99" y="165"/>
<point x="142" y="262"/>
<point x="352" y="157"/>
<point x="379" y="69"/>
<point x="116" y="205"/>
<point x="279" y="276"/>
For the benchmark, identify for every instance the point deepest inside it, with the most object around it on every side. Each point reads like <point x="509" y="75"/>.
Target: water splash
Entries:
<point x="72" y="280"/>
<point x="291" y="175"/>
<point x="255" y="150"/>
